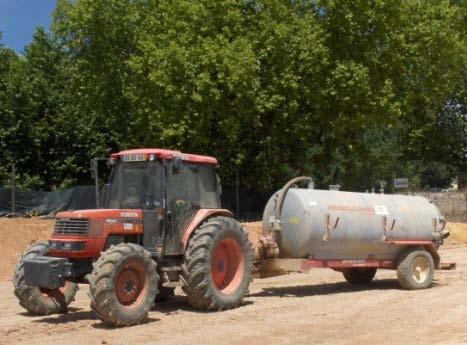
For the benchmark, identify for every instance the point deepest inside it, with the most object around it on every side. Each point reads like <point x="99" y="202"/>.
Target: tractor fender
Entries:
<point x="201" y="216"/>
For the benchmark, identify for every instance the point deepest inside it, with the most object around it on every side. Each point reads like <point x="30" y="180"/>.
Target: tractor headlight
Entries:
<point x="71" y="246"/>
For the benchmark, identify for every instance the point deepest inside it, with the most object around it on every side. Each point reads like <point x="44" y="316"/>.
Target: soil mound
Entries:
<point x="458" y="233"/>
<point x="15" y="235"/>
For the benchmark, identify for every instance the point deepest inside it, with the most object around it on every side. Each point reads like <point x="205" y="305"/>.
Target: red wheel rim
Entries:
<point x="227" y="265"/>
<point x="56" y="293"/>
<point x="131" y="285"/>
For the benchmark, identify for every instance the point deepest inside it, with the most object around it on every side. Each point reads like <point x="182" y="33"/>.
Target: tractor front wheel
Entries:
<point x="218" y="264"/>
<point x="36" y="300"/>
<point x="123" y="285"/>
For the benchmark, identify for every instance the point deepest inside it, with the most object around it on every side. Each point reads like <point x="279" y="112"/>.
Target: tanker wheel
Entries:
<point x="123" y="285"/>
<point x="41" y="301"/>
<point x="218" y="264"/>
<point x="359" y="275"/>
<point x="415" y="269"/>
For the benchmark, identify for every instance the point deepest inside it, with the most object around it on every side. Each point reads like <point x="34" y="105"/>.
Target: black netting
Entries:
<point x="40" y="203"/>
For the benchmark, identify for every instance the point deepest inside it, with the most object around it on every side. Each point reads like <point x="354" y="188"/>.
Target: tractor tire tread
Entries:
<point x="196" y="269"/>
<point x="101" y="289"/>
<point x="30" y="297"/>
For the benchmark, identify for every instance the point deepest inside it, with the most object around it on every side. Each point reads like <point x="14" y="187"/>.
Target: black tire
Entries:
<point x="164" y="294"/>
<point x="415" y="269"/>
<point x="359" y="275"/>
<point x="36" y="300"/>
<point x="197" y="270"/>
<point x="123" y="285"/>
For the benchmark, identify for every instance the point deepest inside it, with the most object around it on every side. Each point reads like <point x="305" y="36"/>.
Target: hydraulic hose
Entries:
<point x="281" y="198"/>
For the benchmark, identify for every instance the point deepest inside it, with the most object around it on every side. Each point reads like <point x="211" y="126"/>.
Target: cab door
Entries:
<point x="182" y="202"/>
<point x="153" y="208"/>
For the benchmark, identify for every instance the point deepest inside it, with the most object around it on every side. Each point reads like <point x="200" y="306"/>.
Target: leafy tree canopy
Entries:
<point x="351" y="92"/>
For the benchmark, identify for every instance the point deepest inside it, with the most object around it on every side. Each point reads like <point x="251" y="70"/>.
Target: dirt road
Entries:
<point x="318" y="308"/>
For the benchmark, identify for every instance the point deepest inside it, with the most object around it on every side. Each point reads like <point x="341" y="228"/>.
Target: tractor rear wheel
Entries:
<point x="218" y="264"/>
<point x="359" y="275"/>
<point x="123" y="285"/>
<point x="41" y="301"/>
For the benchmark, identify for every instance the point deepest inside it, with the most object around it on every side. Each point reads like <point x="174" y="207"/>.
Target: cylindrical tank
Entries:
<point x="328" y="225"/>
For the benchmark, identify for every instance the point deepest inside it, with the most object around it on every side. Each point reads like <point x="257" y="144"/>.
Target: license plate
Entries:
<point x="134" y="158"/>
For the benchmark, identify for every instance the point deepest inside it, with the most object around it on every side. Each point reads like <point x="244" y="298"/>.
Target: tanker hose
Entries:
<point x="281" y="198"/>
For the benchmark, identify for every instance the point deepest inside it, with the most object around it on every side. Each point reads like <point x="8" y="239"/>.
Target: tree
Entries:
<point x="351" y="92"/>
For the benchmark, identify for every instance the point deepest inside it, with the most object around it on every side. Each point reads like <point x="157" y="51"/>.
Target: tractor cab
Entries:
<point x="147" y="179"/>
<point x="167" y="187"/>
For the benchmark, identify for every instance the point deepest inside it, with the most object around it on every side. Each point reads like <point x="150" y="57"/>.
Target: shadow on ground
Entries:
<point x="178" y="304"/>
<point x="328" y="289"/>
<point x="75" y="316"/>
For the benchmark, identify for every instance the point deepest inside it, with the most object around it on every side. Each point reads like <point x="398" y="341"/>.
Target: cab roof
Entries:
<point x="168" y="154"/>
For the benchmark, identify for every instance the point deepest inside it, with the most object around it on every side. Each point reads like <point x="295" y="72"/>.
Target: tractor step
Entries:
<point x="170" y="276"/>
<point x="172" y="284"/>
<point x="171" y="269"/>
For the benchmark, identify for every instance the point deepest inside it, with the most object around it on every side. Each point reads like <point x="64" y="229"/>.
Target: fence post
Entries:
<point x="95" y="175"/>
<point x="13" y="189"/>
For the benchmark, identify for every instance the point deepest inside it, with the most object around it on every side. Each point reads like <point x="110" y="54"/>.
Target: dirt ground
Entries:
<point x="15" y="235"/>
<point x="316" y="308"/>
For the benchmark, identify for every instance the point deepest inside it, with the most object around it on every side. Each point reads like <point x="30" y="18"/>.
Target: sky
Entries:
<point x="19" y="18"/>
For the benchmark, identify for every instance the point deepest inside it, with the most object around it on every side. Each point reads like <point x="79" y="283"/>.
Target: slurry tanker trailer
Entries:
<point x="163" y="226"/>
<point x="354" y="233"/>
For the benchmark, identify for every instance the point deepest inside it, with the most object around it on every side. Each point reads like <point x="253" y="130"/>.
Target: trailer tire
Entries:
<point x="415" y="269"/>
<point x="123" y="285"/>
<point x="218" y="263"/>
<point x="40" y="301"/>
<point x="359" y="275"/>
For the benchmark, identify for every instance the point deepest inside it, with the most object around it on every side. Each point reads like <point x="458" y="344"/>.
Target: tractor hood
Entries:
<point x="130" y="214"/>
<point x="99" y="223"/>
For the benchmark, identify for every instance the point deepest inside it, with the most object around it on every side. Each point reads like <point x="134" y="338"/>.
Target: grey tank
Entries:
<point x="366" y="225"/>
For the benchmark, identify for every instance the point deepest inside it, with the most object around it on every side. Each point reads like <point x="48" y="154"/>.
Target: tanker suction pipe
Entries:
<point x="276" y="224"/>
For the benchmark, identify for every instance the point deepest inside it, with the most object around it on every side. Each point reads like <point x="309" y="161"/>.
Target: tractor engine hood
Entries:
<point x="88" y="230"/>
<point x="100" y="223"/>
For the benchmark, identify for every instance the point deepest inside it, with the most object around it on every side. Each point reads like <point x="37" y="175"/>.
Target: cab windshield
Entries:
<point x="135" y="185"/>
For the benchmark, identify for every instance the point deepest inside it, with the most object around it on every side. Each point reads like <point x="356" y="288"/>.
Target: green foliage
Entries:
<point x="352" y="92"/>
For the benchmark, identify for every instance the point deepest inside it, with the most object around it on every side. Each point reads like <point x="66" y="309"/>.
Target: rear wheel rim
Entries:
<point x="420" y="269"/>
<point x="131" y="285"/>
<point x="227" y="265"/>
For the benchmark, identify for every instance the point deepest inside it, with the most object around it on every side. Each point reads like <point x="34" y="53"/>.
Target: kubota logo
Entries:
<point x="129" y="214"/>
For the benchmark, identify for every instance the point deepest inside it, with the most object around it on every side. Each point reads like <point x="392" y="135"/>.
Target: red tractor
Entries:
<point x="163" y="226"/>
